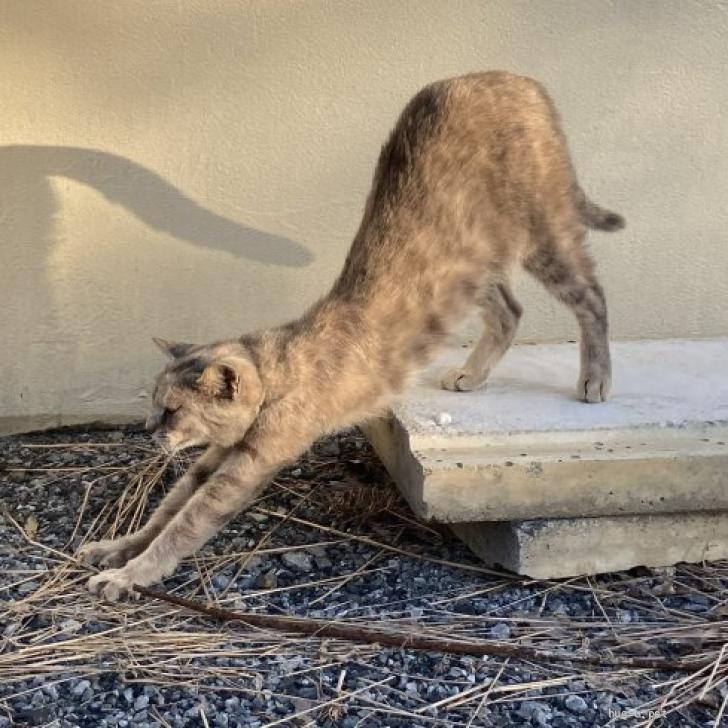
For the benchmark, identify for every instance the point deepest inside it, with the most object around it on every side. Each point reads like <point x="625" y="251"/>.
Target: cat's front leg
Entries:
<point x="116" y="552"/>
<point x="217" y="501"/>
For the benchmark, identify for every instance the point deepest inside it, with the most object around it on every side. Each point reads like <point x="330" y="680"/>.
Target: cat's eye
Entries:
<point x="167" y="414"/>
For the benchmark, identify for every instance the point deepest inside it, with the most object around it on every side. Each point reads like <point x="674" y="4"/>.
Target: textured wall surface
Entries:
<point x="192" y="170"/>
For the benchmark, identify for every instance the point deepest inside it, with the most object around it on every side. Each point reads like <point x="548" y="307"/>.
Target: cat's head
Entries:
<point x="206" y="395"/>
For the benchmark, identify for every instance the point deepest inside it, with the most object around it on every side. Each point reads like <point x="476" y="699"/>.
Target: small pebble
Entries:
<point x="81" y="687"/>
<point x="220" y="581"/>
<point x="500" y="631"/>
<point x="576" y="704"/>
<point x="232" y="704"/>
<point x="269" y="580"/>
<point x="299" y="560"/>
<point x="70" y="625"/>
<point x="141" y="702"/>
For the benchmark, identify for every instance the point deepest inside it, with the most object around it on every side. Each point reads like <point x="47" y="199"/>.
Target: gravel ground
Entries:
<point x="330" y="539"/>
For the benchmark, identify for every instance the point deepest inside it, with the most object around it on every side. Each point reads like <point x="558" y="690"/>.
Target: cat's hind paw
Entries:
<point x="459" y="380"/>
<point x="593" y="389"/>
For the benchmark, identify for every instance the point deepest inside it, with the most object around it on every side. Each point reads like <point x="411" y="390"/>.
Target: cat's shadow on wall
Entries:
<point x="24" y="173"/>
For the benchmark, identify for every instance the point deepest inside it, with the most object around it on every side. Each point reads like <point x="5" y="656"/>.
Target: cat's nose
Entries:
<point x="161" y="439"/>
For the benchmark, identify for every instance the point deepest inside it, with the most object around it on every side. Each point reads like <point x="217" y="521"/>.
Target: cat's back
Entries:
<point x="494" y="121"/>
<point x="458" y="177"/>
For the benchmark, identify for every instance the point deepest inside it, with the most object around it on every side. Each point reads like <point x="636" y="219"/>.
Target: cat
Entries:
<point x="475" y="178"/>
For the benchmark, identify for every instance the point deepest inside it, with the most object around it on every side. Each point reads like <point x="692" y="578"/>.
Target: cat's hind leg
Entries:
<point x="501" y="313"/>
<point x="565" y="267"/>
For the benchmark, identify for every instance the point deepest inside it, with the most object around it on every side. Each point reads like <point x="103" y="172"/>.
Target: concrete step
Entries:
<point x="551" y="549"/>
<point x="525" y="448"/>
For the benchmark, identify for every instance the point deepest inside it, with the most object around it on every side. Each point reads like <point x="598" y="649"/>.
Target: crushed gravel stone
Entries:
<point x="330" y="539"/>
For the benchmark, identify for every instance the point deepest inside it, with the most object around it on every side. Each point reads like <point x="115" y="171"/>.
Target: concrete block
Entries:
<point x="525" y="448"/>
<point x="550" y="549"/>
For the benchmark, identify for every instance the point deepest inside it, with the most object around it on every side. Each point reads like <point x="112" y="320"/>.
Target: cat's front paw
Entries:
<point x="459" y="380"/>
<point x="109" y="552"/>
<point x="114" y="584"/>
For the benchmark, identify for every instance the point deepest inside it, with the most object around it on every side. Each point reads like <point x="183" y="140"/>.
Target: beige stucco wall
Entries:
<point x="194" y="169"/>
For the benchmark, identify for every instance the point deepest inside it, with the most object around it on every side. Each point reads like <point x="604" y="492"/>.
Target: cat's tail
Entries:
<point x="596" y="217"/>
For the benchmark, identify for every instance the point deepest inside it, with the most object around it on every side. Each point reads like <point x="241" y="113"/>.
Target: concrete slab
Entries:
<point x="550" y="549"/>
<point x="525" y="448"/>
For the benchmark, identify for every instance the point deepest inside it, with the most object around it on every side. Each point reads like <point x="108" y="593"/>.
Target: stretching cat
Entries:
<point x="475" y="178"/>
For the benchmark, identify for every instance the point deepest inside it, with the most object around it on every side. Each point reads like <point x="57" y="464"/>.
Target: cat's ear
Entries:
<point x="221" y="379"/>
<point x="173" y="349"/>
